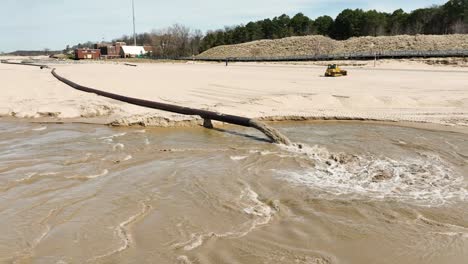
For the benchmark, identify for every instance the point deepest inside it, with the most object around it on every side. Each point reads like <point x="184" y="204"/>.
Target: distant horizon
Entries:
<point x="33" y="25"/>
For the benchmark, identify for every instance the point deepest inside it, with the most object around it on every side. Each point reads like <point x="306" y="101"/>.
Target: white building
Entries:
<point x="132" y="51"/>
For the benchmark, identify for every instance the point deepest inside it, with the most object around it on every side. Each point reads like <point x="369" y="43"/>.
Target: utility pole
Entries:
<point x="134" y="32"/>
<point x="372" y="45"/>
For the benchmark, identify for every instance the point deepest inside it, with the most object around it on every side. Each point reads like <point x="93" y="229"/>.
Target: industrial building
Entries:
<point x="149" y="50"/>
<point x="132" y="51"/>
<point x="110" y="51"/>
<point x="87" y="54"/>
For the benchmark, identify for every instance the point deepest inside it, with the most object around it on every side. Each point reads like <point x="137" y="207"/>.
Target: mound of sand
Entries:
<point x="315" y="45"/>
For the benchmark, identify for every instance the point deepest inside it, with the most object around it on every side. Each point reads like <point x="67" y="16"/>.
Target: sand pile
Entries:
<point x="315" y="45"/>
<point x="406" y="42"/>
<point x="279" y="47"/>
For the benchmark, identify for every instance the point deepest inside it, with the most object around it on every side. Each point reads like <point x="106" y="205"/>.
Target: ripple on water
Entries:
<point x="93" y="176"/>
<point x="122" y="230"/>
<point x="39" y="128"/>
<point x="235" y="158"/>
<point x="260" y="213"/>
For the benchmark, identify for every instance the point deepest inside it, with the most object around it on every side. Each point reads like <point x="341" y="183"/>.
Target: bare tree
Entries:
<point x="195" y="41"/>
<point x="174" y="41"/>
<point x="459" y="27"/>
<point x="180" y="35"/>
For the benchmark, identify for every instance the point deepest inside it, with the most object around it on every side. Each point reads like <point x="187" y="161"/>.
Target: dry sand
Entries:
<point x="393" y="91"/>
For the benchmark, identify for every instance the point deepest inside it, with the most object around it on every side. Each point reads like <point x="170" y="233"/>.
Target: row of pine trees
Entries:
<point x="179" y="40"/>
<point x="449" y="18"/>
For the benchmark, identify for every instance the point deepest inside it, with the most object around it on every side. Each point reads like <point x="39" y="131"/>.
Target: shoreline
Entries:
<point x="285" y="120"/>
<point x="393" y="92"/>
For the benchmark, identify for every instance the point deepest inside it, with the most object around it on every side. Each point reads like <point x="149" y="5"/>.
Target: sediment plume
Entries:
<point x="270" y="132"/>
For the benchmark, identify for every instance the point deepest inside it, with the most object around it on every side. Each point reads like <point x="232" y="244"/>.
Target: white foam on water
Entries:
<point x="263" y="152"/>
<point x="39" y="128"/>
<point x="123" y="232"/>
<point x="48" y="174"/>
<point x="118" y="146"/>
<point x="103" y="173"/>
<point x="426" y="180"/>
<point x="443" y="229"/>
<point x="140" y="131"/>
<point x="432" y="222"/>
<point x="27" y="177"/>
<point x="183" y="260"/>
<point x="260" y="212"/>
<point x="128" y="157"/>
<point x="110" y="139"/>
<point x="114" y="136"/>
<point x="42" y="236"/>
<point x="197" y="240"/>
<point x="452" y="234"/>
<point x="257" y="208"/>
<point x="235" y="158"/>
<point x="79" y="160"/>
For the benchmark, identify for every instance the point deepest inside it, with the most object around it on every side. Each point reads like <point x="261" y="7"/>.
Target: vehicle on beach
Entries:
<point x="334" y="70"/>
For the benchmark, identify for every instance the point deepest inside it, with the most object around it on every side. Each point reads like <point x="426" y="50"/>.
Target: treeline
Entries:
<point x="45" y="52"/>
<point x="179" y="40"/>
<point x="171" y="42"/>
<point x="449" y="18"/>
<point x="174" y="41"/>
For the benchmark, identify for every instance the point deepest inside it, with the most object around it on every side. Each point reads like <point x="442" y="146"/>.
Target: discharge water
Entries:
<point x="354" y="193"/>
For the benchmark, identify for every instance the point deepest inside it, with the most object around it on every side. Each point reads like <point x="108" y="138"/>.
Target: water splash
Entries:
<point x="425" y="180"/>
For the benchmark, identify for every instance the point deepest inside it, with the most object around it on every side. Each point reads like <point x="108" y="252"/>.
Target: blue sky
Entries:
<point x="39" y="24"/>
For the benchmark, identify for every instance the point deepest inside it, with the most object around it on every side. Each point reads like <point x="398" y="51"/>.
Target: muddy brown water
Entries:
<point x="356" y="193"/>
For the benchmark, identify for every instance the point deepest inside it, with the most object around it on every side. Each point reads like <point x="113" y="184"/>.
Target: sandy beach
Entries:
<point x="392" y="91"/>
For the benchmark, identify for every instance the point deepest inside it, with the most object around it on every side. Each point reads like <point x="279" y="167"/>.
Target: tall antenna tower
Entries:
<point x="134" y="32"/>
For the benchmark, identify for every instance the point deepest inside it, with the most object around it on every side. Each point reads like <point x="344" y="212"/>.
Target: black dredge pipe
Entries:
<point x="236" y="120"/>
<point x="24" y="63"/>
<point x="270" y="132"/>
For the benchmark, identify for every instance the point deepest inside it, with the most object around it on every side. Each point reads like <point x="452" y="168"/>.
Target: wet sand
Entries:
<point x="356" y="193"/>
<point x="397" y="91"/>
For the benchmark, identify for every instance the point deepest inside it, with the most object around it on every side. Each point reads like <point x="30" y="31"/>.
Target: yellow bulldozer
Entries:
<point x="334" y="70"/>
